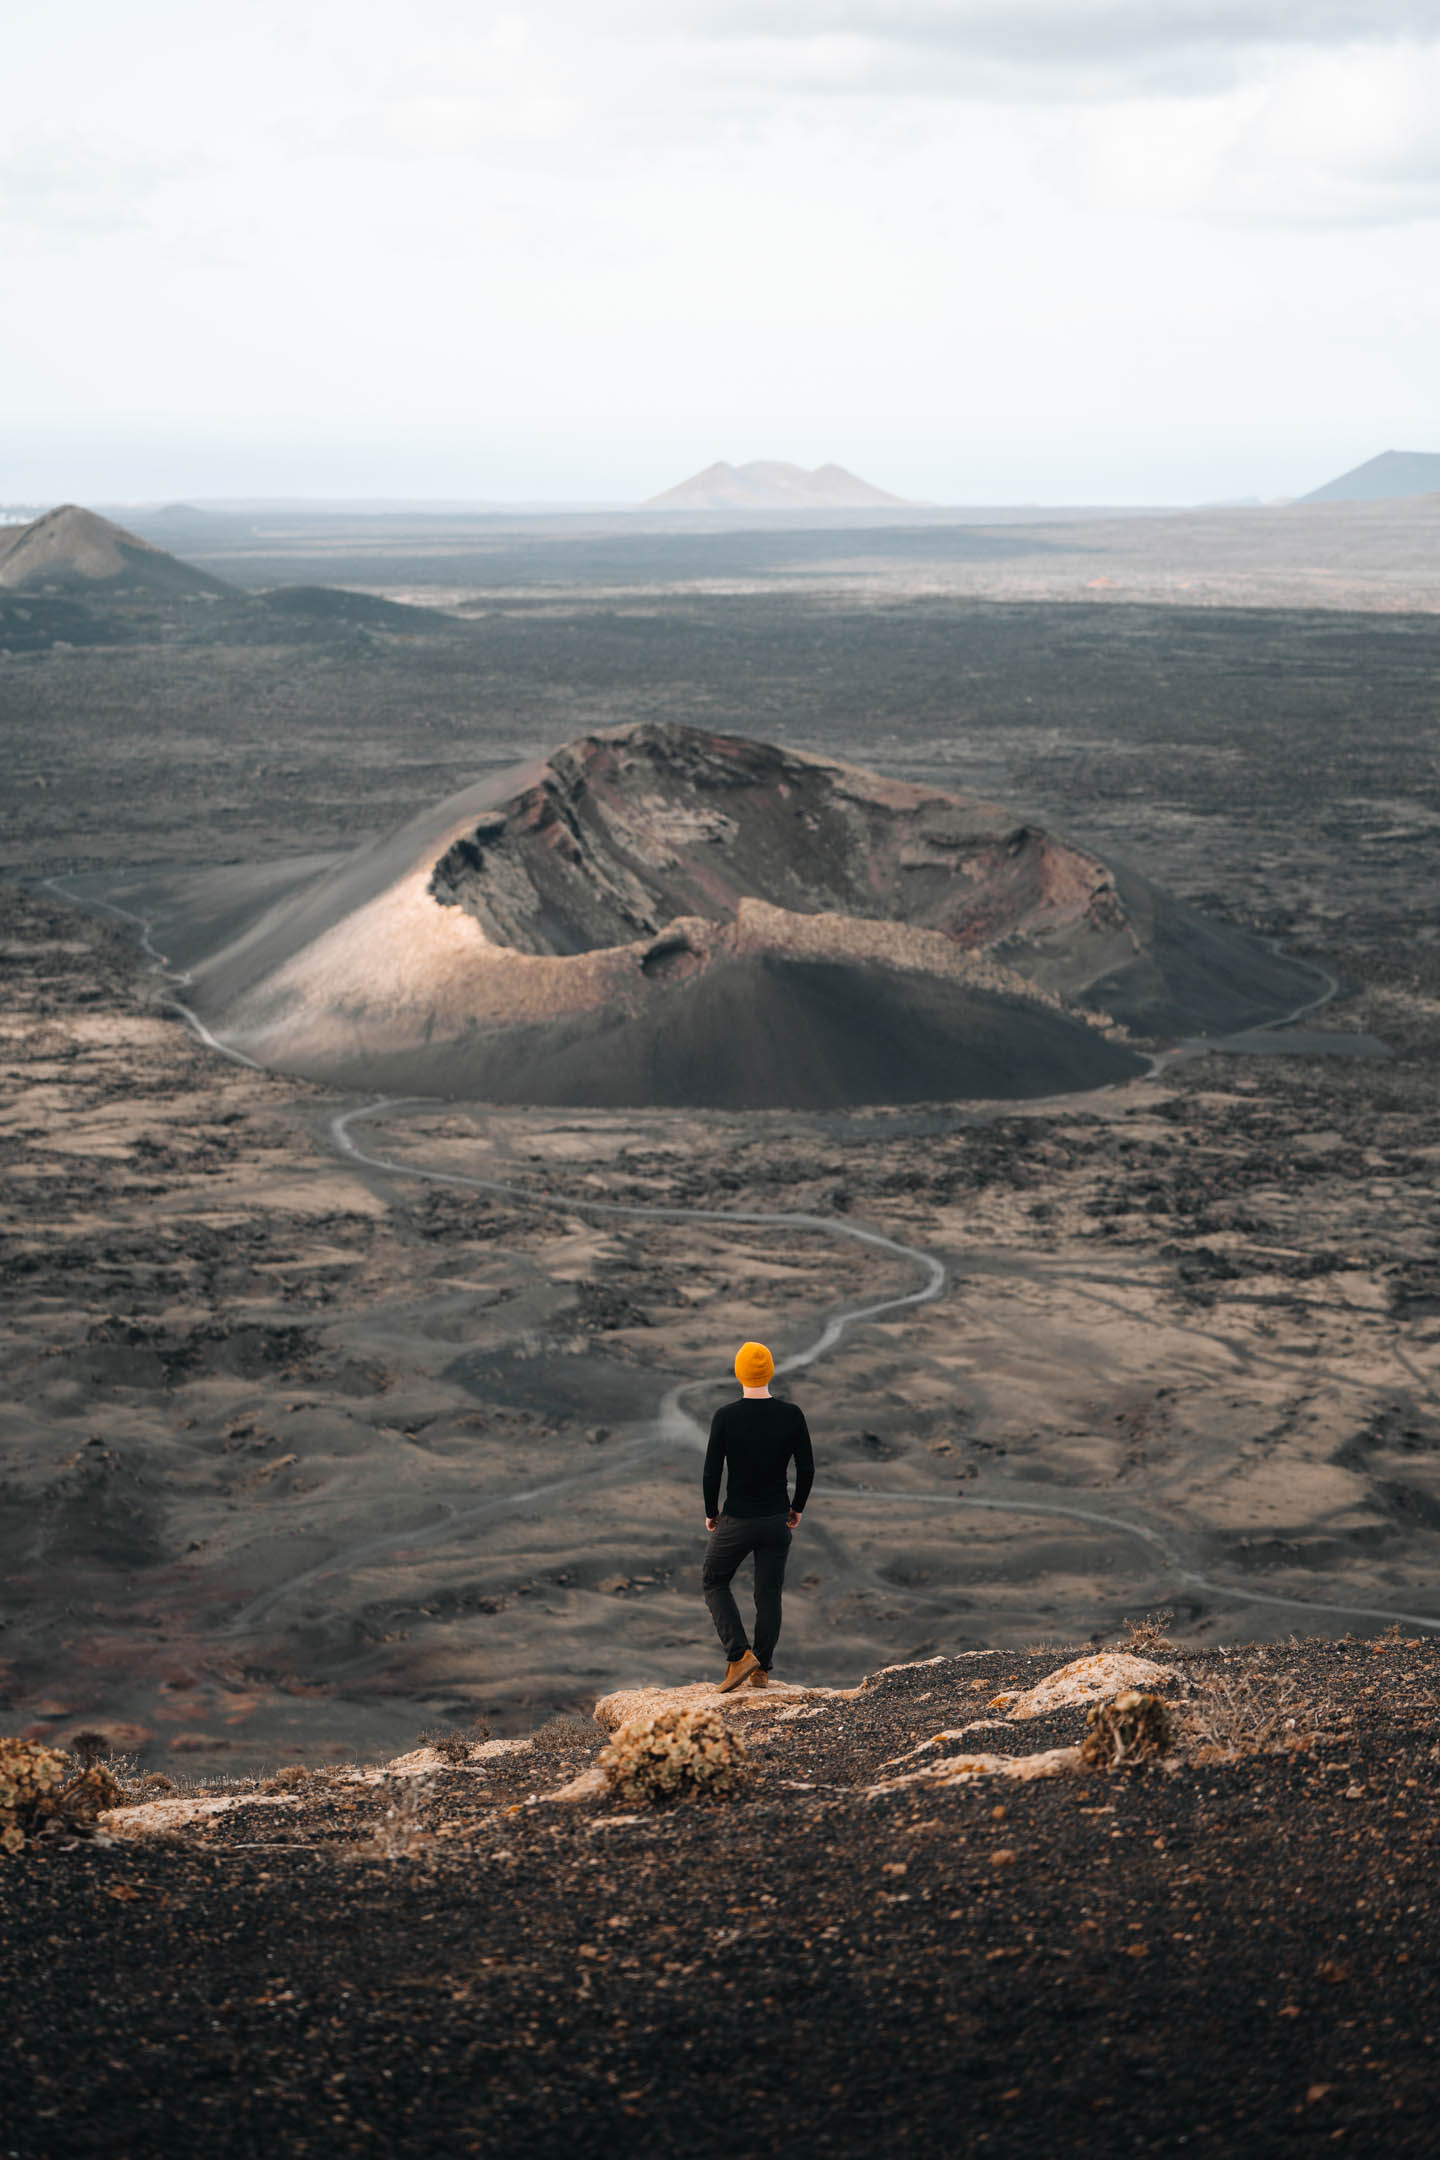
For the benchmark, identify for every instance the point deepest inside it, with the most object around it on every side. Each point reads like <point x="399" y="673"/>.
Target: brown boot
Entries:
<point x="738" y="1671"/>
<point x="759" y="1678"/>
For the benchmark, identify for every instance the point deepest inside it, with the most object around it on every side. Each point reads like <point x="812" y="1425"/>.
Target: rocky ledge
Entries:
<point x="1139" y="1901"/>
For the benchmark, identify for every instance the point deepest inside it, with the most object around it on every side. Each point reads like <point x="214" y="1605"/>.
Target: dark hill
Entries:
<point x="76" y="552"/>
<point x="74" y="577"/>
<point x="320" y="607"/>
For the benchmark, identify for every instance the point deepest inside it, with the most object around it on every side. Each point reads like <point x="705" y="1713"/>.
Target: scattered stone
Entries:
<point x="1088" y="1679"/>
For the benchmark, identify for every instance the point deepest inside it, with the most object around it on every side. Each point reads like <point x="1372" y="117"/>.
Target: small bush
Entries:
<point x="673" y="1754"/>
<point x="1129" y="1728"/>
<point x="288" y="1777"/>
<point x="1146" y="1637"/>
<point x="40" y="1785"/>
<point x="449" y="1743"/>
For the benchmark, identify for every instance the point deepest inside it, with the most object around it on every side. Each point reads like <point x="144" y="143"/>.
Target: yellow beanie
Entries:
<point x="753" y="1364"/>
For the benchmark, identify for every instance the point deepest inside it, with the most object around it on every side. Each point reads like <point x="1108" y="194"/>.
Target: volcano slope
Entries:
<point x="479" y="1949"/>
<point x="75" y="551"/>
<point x="655" y="915"/>
<point x="73" y="579"/>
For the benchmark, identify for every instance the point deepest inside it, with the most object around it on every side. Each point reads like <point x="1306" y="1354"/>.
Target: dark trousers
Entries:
<point x="768" y="1537"/>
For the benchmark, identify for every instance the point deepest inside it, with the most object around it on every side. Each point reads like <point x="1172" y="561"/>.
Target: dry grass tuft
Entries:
<point x="1250" y="1711"/>
<point x="1146" y="1636"/>
<point x="1129" y="1728"/>
<point x="402" y="1829"/>
<point x="675" y="1754"/>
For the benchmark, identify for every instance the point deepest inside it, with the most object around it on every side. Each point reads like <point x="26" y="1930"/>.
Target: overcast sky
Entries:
<point x="980" y="250"/>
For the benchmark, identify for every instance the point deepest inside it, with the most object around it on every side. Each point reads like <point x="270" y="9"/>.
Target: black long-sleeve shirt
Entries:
<point x="758" y="1438"/>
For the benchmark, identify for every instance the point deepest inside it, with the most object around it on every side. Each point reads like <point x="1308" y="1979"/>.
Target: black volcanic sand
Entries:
<point x="1252" y="759"/>
<point x="1230" y="1957"/>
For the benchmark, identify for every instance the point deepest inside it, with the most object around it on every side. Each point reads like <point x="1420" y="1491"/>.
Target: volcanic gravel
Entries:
<point x="1224" y="1956"/>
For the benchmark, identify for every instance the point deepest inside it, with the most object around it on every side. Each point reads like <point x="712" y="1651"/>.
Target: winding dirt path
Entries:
<point x="159" y="965"/>
<point x="674" y="1424"/>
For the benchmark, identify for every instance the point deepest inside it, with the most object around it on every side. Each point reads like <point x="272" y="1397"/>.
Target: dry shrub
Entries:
<point x="288" y="1777"/>
<point x="1129" y="1728"/>
<point x="674" y="1754"/>
<point x="1246" y="1712"/>
<point x="40" y="1787"/>
<point x="1146" y="1637"/>
<point x="453" y="1747"/>
<point x="454" y="1742"/>
<point x="402" y="1829"/>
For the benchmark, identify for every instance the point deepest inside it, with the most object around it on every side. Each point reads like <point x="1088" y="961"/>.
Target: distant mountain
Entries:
<point x="177" y="521"/>
<point x="1387" y="478"/>
<point x="768" y="484"/>
<point x="75" y="551"/>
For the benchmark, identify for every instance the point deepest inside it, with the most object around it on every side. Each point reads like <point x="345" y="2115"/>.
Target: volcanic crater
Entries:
<point x="660" y="915"/>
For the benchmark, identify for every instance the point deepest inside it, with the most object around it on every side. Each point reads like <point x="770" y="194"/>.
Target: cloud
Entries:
<point x="1043" y="49"/>
<point x="51" y="189"/>
<point x="1332" y="139"/>
<point x="770" y="228"/>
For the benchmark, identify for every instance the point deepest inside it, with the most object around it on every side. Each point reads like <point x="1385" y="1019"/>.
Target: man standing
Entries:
<point x="757" y="1438"/>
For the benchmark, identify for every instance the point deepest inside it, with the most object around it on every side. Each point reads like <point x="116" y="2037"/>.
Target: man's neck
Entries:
<point x="757" y="1394"/>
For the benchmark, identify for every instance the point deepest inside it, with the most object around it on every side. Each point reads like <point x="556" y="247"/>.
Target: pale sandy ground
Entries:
<point x="301" y="1458"/>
